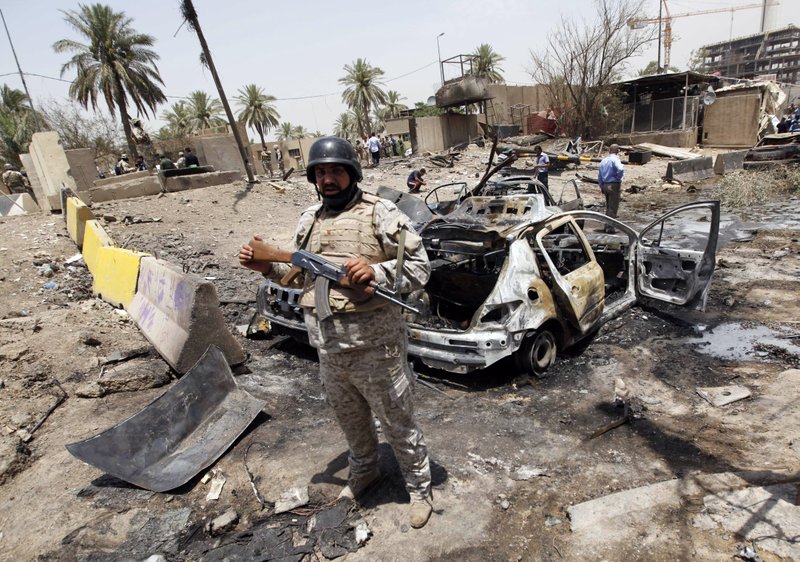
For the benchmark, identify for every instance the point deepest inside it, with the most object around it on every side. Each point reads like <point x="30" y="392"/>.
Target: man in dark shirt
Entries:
<point x="415" y="181"/>
<point x="190" y="158"/>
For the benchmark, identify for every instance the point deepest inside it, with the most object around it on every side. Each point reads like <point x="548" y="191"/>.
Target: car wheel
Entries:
<point x="537" y="352"/>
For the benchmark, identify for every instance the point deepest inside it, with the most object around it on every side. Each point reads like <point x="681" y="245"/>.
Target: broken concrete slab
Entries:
<point x="82" y="167"/>
<point x="134" y="185"/>
<point x="17" y="204"/>
<point x="668" y="151"/>
<point x="179" y="314"/>
<point x="766" y="515"/>
<point x="728" y="162"/>
<point x="622" y="516"/>
<point x="197" y="181"/>
<point x="33" y="176"/>
<point x="223" y="523"/>
<point x="690" y="169"/>
<point x="112" y="180"/>
<point x="52" y="167"/>
<point x="136" y="374"/>
<point x="219" y="151"/>
<point x="723" y="395"/>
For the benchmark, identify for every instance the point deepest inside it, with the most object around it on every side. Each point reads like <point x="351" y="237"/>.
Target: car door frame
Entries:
<point x="698" y="280"/>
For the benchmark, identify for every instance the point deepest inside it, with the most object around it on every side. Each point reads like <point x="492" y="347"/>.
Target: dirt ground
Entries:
<point x="510" y="456"/>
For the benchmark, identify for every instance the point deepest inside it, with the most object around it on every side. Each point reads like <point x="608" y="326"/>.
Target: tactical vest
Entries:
<point x="339" y="237"/>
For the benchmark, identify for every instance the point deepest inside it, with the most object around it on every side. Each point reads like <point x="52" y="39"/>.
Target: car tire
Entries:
<point x="537" y="352"/>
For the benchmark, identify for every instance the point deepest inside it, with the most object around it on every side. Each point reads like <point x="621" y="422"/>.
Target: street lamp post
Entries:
<point x="439" y="51"/>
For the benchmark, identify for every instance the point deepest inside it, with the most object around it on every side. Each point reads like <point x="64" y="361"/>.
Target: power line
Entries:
<point x="313" y="96"/>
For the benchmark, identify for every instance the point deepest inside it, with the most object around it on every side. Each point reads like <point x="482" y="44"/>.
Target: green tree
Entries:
<point x="178" y="118"/>
<point x="393" y="106"/>
<point x="300" y="132"/>
<point x="697" y="60"/>
<point x="285" y="131"/>
<point x="346" y="125"/>
<point x="257" y="110"/>
<point x="378" y="123"/>
<point x="363" y="91"/>
<point x="116" y="63"/>
<point x="652" y="68"/>
<point x="16" y="124"/>
<point x="205" y="111"/>
<point x="424" y="110"/>
<point x="486" y="63"/>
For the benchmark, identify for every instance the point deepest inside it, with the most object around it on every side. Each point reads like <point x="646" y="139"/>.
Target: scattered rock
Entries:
<point x="504" y="505"/>
<point x="155" y="558"/>
<point x="90" y="390"/>
<point x="291" y="499"/>
<point x="109" y="218"/>
<point x="136" y="374"/>
<point x="14" y="455"/>
<point x="21" y="419"/>
<point x="86" y="338"/>
<point x="46" y="270"/>
<point x="223" y="523"/>
<point x="729" y="301"/>
<point x="50" y="285"/>
<point x="552" y="522"/>
<point x="13" y="351"/>
<point x="217" y="483"/>
<point x="526" y="473"/>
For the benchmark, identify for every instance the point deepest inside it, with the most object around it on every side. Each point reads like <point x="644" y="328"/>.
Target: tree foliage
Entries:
<point x="287" y="131"/>
<point x="16" y="124"/>
<point x="257" y="110"/>
<point x="424" y="110"/>
<point x="116" y="63"/>
<point x="363" y="91"/>
<point x="652" y="68"/>
<point x="205" y="112"/>
<point x="78" y="129"/>
<point x="486" y="63"/>
<point x="393" y="106"/>
<point x="582" y="59"/>
<point x="346" y="125"/>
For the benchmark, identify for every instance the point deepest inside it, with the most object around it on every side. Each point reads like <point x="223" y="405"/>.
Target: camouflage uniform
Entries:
<point x="14" y="181"/>
<point x="363" y="346"/>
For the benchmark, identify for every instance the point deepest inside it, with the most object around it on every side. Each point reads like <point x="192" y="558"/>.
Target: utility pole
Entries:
<point x="658" y="64"/>
<point x="439" y="51"/>
<point x="21" y="75"/>
<point x="189" y="13"/>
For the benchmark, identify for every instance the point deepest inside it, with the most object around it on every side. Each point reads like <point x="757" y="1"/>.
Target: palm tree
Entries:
<point x="345" y="125"/>
<point x="300" y="132"/>
<point x="363" y="90"/>
<point x="378" y="119"/>
<point x="16" y="124"/>
<point x="178" y="118"/>
<point x="285" y="131"/>
<point x="393" y="106"/>
<point x="257" y="110"/>
<point x="205" y="111"/>
<point x="486" y="63"/>
<point x="117" y="63"/>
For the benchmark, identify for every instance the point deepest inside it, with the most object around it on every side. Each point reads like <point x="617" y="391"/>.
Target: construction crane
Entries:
<point x="638" y="23"/>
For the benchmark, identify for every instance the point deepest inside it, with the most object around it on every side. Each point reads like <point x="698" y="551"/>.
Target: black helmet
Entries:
<point x="333" y="150"/>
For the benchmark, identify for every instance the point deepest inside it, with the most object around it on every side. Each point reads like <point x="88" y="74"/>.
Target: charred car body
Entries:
<point x="514" y="275"/>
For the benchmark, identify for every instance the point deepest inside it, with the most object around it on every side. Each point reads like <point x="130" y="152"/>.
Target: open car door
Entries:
<point x="575" y="277"/>
<point x="676" y="254"/>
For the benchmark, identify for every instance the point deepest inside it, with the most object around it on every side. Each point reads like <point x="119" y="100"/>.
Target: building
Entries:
<point x="771" y="55"/>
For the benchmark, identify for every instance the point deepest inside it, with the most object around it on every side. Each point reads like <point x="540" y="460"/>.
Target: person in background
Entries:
<point x="122" y="166"/>
<point x="541" y="165"/>
<point x="165" y="163"/>
<point x="140" y="165"/>
<point x="279" y="159"/>
<point x="266" y="161"/>
<point x="394" y="145"/>
<point x="190" y="158"/>
<point x="374" y="145"/>
<point x="415" y="180"/>
<point x="181" y="161"/>
<point x="610" y="180"/>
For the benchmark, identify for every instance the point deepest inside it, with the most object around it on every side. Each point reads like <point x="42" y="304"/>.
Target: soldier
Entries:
<point x="266" y="161"/>
<point x="13" y="180"/>
<point x="362" y="345"/>
<point x="279" y="158"/>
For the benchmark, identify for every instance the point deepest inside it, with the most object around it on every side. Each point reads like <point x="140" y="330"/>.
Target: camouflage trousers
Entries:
<point x="377" y="379"/>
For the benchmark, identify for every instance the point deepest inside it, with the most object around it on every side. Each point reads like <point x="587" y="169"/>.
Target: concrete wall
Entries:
<point x="218" y="151"/>
<point x="504" y="96"/>
<point x="33" y="176"/>
<point x="111" y="180"/>
<point x="52" y="166"/>
<point x="398" y="127"/>
<point x="434" y="134"/>
<point x="82" y="167"/>
<point x="732" y="121"/>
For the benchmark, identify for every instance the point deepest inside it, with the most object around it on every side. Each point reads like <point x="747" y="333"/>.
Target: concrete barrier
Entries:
<point x="180" y="315"/>
<point x="77" y="215"/>
<point x="138" y="186"/>
<point x="17" y="204"/>
<point x="197" y="181"/>
<point x="111" y="180"/>
<point x="691" y="169"/>
<point x="94" y="238"/>
<point x="117" y="271"/>
<point x="52" y="168"/>
<point x="729" y="162"/>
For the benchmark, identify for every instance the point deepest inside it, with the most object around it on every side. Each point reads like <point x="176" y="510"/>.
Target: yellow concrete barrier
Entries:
<point x="94" y="238"/>
<point x="117" y="271"/>
<point x="77" y="215"/>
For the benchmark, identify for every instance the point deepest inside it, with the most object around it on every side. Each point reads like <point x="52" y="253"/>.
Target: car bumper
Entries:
<point x="460" y="352"/>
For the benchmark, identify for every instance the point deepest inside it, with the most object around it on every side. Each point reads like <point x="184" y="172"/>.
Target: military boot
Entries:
<point x="358" y="486"/>
<point x="419" y="512"/>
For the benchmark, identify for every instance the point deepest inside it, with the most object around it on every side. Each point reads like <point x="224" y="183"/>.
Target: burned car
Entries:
<point x="514" y="276"/>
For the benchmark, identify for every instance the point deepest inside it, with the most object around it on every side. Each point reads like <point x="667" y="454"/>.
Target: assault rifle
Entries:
<point x="323" y="272"/>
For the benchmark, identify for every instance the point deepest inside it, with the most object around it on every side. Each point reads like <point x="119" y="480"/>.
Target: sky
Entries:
<point x="296" y="51"/>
